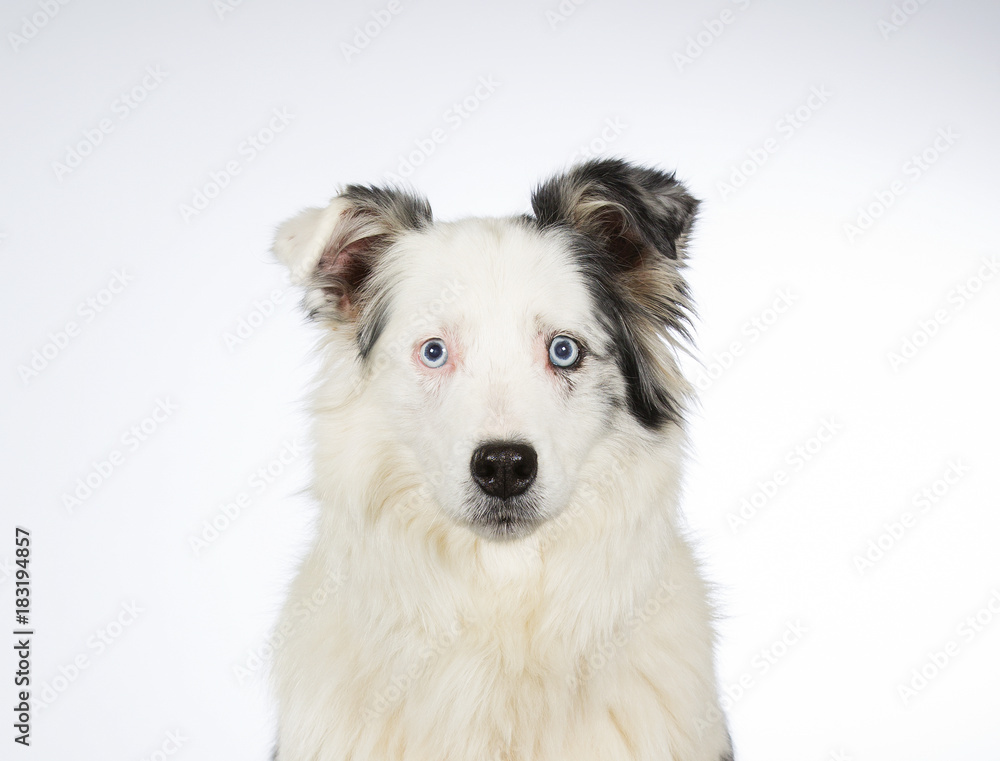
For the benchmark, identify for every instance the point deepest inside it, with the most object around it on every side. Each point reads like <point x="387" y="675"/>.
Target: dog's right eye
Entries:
<point x="434" y="353"/>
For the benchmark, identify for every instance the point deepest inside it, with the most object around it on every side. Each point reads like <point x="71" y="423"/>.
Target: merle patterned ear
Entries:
<point x="628" y="227"/>
<point x="332" y="251"/>
<point x="632" y="211"/>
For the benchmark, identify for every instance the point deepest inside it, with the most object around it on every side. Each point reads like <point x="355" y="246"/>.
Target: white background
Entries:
<point x="560" y="79"/>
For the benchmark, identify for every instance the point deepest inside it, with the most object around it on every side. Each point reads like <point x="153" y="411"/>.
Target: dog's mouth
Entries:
<point x="503" y="519"/>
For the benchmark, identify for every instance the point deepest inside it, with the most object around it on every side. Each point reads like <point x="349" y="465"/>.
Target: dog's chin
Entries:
<point x="503" y="520"/>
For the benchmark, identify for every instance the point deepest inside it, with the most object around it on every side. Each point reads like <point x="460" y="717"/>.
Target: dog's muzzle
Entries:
<point x="506" y="507"/>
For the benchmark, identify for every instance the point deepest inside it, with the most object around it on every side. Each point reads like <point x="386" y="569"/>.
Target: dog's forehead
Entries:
<point x="492" y="266"/>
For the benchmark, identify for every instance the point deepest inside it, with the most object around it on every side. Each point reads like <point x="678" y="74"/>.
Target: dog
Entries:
<point x="499" y="571"/>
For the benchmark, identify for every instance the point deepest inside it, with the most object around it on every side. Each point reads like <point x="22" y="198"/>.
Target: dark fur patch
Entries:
<point x="628" y="226"/>
<point x="633" y="208"/>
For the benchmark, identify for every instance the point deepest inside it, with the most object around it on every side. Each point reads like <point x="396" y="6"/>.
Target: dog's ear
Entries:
<point x="632" y="212"/>
<point x="629" y="227"/>
<point x="333" y="251"/>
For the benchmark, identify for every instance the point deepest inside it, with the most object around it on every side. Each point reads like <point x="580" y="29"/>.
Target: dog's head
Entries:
<point x="501" y="352"/>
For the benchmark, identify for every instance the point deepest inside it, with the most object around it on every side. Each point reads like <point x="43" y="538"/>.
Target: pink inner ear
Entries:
<point x="334" y="260"/>
<point x="349" y="267"/>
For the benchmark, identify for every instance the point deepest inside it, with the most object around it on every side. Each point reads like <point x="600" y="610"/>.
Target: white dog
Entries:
<point x="498" y="570"/>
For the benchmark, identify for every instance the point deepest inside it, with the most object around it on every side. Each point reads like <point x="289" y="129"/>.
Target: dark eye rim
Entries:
<point x="581" y="351"/>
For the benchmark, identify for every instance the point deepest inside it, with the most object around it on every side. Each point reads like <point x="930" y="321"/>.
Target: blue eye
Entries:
<point x="434" y="353"/>
<point x="564" y="351"/>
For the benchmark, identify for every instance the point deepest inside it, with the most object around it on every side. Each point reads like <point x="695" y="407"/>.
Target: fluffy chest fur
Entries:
<point x="592" y="641"/>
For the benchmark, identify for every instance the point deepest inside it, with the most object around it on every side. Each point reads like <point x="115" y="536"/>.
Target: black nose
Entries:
<point x="504" y="469"/>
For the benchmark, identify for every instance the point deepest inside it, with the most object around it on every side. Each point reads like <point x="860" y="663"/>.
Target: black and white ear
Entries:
<point x="633" y="212"/>
<point x="627" y="227"/>
<point x="333" y="251"/>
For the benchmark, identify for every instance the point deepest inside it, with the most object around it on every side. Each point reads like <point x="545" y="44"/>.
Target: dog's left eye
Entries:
<point x="564" y="351"/>
<point x="434" y="353"/>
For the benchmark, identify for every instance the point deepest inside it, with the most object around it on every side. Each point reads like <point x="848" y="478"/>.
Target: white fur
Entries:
<point x="300" y="241"/>
<point x="591" y="637"/>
